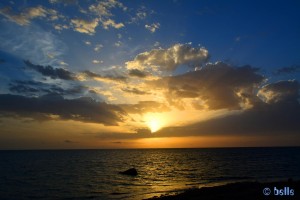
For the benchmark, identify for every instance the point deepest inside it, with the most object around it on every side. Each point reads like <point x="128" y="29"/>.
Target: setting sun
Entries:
<point x="154" y="122"/>
<point x="154" y="125"/>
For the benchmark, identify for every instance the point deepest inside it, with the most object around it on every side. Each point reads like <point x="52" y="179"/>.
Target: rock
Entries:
<point x="131" y="172"/>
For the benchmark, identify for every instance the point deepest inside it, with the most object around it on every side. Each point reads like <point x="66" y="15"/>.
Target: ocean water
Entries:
<point x="93" y="174"/>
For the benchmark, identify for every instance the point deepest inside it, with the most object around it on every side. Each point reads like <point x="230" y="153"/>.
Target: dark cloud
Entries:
<point x="145" y="106"/>
<point x="139" y="133"/>
<point x="287" y="70"/>
<point x="37" y="88"/>
<point x="105" y="77"/>
<point x="117" y="142"/>
<point x="281" y="91"/>
<point x="69" y="142"/>
<point x="83" y="109"/>
<point x="215" y="86"/>
<point x="65" y="2"/>
<point x="49" y="71"/>
<point x="137" y="73"/>
<point x="277" y="113"/>
<point x="135" y="91"/>
<point x="263" y="119"/>
<point x="2" y="61"/>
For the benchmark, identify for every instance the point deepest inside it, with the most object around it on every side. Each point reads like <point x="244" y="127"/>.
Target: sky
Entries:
<point x="149" y="74"/>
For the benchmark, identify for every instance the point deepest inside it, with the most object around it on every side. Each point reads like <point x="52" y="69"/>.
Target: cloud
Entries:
<point x="37" y="88"/>
<point x="85" y="26"/>
<point x="280" y="91"/>
<point x="287" y="70"/>
<point x="263" y="119"/>
<point x="103" y="8"/>
<point x="97" y="61"/>
<point x="54" y="73"/>
<point x="135" y="91"/>
<point x="139" y="133"/>
<point x="87" y="42"/>
<point x="51" y="107"/>
<point x="141" y="14"/>
<point x="98" y="47"/>
<point x="118" y="44"/>
<point x="104" y="77"/>
<point x="152" y="27"/>
<point x="169" y="59"/>
<point x="215" y="86"/>
<point x="112" y="23"/>
<point x="64" y="1"/>
<point x="60" y="27"/>
<point x="24" y="18"/>
<point x="69" y="141"/>
<point x="21" y="41"/>
<point x="143" y="107"/>
<point x="103" y="11"/>
<point x="137" y="73"/>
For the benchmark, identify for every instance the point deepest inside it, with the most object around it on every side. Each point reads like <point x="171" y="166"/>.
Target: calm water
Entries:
<point x="93" y="174"/>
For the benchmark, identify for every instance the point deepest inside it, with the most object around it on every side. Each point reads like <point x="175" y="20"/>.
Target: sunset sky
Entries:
<point x="149" y="74"/>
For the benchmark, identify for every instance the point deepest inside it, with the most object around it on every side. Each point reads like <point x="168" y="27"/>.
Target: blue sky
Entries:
<point x="127" y="54"/>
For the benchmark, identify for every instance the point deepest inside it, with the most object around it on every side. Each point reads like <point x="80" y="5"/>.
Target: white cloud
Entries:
<point x="63" y="1"/>
<point x="169" y="59"/>
<point x="60" y="27"/>
<point x="87" y="42"/>
<point x="63" y="63"/>
<point x="84" y="26"/>
<point x="152" y="27"/>
<point x="112" y="23"/>
<point x="141" y="14"/>
<point x="98" y="47"/>
<point x="97" y="61"/>
<point x="156" y="44"/>
<point x="102" y="9"/>
<point x="118" y="44"/>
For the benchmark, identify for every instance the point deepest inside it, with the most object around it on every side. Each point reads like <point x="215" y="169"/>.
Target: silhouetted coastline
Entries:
<point x="238" y="191"/>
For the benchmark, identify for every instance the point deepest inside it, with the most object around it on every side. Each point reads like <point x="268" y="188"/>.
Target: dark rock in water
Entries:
<point x="131" y="172"/>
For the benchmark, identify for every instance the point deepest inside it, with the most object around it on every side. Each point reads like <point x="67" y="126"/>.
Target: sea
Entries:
<point x="94" y="174"/>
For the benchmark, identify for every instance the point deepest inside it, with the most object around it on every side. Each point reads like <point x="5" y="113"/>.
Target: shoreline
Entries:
<point x="249" y="190"/>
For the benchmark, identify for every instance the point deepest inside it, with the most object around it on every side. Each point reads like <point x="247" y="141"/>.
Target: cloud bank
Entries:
<point x="169" y="59"/>
<point x="53" y="106"/>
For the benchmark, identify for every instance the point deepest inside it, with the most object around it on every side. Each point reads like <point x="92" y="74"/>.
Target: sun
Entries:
<point x="154" y="122"/>
<point x="154" y="125"/>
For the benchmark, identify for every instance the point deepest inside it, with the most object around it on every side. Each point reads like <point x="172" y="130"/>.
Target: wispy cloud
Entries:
<point x="152" y="27"/>
<point x="22" y="42"/>
<point x="25" y="17"/>
<point x="49" y="71"/>
<point x="287" y="70"/>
